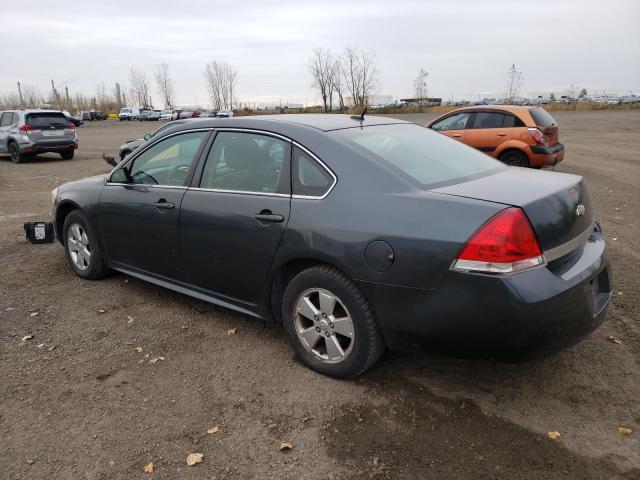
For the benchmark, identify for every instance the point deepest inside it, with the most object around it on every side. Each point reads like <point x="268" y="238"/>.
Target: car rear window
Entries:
<point x="430" y="158"/>
<point x="542" y="117"/>
<point x="47" y="120"/>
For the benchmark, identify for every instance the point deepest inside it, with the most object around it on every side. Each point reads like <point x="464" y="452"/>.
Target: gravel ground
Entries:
<point x="77" y="401"/>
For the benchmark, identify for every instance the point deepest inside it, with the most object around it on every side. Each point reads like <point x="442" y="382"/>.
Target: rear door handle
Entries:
<point x="456" y="135"/>
<point x="267" y="216"/>
<point x="163" y="204"/>
<point x="502" y="134"/>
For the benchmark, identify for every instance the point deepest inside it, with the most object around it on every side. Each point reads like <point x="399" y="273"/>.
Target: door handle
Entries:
<point x="267" y="216"/>
<point x="502" y="134"/>
<point x="456" y="135"/>
<point x="163" y="204"/>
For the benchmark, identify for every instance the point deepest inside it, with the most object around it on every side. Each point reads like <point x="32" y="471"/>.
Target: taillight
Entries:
<point x="536" y="135"/>
<point x="506" y="243"/>
<point x="71" y="128"/>
<point x="25" y="128"/>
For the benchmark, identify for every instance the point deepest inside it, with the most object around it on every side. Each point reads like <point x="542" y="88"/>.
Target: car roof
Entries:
<point x="323" y="122"/>
<point x="507" y="108"/>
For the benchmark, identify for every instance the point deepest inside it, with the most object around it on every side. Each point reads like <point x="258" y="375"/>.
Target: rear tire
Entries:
<point x="514" y="158"/>
<point x="14" y="152"/>
<point x="82" y="248"/>
<point x="343" y="340"/>
<point x="67" y="154"/>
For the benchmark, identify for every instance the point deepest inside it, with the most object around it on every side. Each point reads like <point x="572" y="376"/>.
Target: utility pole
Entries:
<point x="20" y="93"/>
<point x="66" y="93"/>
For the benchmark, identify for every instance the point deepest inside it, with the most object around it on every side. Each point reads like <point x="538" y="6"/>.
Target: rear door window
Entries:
<point x="454" y="122"/>
<point x="488" y="120"/>
<point x="542" y="117"/>
<point x="48" y="120"/>
<point x="247" y="162"/>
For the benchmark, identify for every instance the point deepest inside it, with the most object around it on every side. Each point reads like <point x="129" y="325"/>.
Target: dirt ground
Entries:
<point x="78" y="402"/>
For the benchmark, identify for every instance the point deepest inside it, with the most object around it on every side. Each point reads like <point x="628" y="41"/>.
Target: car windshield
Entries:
<point x="428" y="157"/>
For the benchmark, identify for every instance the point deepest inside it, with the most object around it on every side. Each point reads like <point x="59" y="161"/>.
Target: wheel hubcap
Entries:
<point x="78" y="245"/>
<point x="324" y="325"/>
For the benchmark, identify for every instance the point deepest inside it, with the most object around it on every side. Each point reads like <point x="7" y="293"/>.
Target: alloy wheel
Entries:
<point x="79" y="247"/>
<point x="324" y="325"/>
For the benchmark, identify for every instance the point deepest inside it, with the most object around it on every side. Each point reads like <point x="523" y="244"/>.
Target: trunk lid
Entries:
<point x="551" y="200"/>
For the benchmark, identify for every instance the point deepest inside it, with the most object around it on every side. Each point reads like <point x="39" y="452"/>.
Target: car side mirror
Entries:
<point x="147" y="136"/>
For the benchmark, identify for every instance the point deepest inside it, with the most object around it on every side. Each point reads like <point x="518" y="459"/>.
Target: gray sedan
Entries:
<point x="357" y="234"/>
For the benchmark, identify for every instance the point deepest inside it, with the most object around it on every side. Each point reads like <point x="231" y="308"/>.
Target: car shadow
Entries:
<point x="42" y="158"/>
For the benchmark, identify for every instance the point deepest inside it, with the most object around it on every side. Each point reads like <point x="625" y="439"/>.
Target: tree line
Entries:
<point x="220" y="78"/>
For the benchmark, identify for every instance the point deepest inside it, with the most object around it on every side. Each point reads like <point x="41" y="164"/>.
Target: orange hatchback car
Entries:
<point x="520" y="136"/>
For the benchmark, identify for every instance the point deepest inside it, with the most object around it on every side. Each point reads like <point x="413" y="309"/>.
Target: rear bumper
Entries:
<point x="546" y="156"/>
<point x="529" y="314"/>
<point x="54" y="146"/>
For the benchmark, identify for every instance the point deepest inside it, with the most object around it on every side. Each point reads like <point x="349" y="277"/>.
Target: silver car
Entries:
<point x="26" y="133"/>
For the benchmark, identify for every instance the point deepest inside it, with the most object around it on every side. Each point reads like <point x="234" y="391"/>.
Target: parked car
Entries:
<point x="224" y="113"/>
<point x="129" y="113"/>
<point x="150" y="115"/>
<point x="166" y="115"/>
<point x="76" y="120"/>
<point x="131" y="145"/>
<point x="26" y="133"/>
<point x="520" y="136"/>
<point x="355" y="234"/>
<point x="189" y="114"/>
<point x="175" y="114"/>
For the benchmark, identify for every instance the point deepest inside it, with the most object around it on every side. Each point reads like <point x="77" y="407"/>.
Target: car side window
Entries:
<point x="6" y="119"/>
<point x="165" y="163"/>
<point x="487" y="120"/>
<point x="247" y="162"/>
<point x="454" y="122"/>
<point x="309" y="178"/>
<point x="16" y="118"/>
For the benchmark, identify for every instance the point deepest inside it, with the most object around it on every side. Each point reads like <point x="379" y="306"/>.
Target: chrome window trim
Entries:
<point x="137" y="152"/>
<point x="323" y="165"/>
<point x="571" y="245"/>
<point x="251" y="130"/>
<point x="150" y="185"/>
<point x="240" y="192"/>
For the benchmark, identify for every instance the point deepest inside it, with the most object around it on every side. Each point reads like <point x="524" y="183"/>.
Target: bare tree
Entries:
<point x="31" y="96"/>
<point x="360" y="73"/>
<point x="338" y="82"/>
<point x="102" y="99"/>
<point x="420" y="87"/>
<point x="9" y="101"/>
<point x="514" y="80"/>
<point x="139" y="87"/>
<point x="221" y="81"/>
<point x="165" y="84"/>
<point x="321" y="67"/>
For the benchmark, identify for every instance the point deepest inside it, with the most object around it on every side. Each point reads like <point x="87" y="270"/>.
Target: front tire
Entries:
<point x="330" y="323"/>
<point x="515" y="158"/>
<point x="67" y="154"/>
<point x="82" y="248"/>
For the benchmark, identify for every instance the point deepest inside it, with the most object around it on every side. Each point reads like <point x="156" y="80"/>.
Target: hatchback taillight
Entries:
<point x="25" y="128"/>
<point x="536" y="135"/>
<point x="506" y="243"/>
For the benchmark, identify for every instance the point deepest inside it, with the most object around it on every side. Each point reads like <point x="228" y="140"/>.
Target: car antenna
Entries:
<point x="361" y="116"/>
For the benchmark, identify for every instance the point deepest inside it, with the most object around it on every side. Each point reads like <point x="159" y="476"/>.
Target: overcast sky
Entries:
<point x="466" y="46"/>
